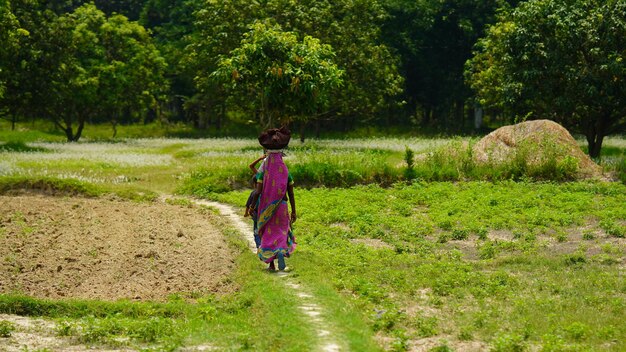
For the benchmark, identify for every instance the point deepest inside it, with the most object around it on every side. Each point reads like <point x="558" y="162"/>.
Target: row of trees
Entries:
<point x="337" y="64"/>
<point x="79" y="66"/>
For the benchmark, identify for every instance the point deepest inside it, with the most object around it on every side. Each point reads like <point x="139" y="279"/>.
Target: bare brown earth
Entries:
<point x="109" y="249"/>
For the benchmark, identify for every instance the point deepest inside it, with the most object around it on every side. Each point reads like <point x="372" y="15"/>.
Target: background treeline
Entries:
<point x="431" y="64"/>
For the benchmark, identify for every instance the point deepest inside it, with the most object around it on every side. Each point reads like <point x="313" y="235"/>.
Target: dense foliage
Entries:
<point x="504" y="265"/>
<point x="402" y="63"/>
<point x="562" y="60"/>
<point x="282" y="77"/>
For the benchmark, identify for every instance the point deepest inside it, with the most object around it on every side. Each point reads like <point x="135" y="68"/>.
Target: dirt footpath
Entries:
<point x="109" y="249"/>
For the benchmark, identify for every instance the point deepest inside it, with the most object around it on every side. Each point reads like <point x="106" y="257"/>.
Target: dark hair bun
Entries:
<point x="275" y="138"/>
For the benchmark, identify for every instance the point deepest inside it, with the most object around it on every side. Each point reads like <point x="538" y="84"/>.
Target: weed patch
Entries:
<point x="6" y="328"/>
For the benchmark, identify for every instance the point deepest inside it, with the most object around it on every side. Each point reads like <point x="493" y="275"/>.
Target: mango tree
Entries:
<point x="371" y="83"/>
<point x="558" y="59"/>
<point x="11" y="38"/>
<point x="98" y="68"/>
<point x="285" y="78"/>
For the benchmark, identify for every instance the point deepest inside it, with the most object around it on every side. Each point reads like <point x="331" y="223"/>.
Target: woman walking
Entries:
<point x="274" y="187"/>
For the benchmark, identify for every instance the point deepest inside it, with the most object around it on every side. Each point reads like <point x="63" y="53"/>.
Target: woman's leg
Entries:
<point x="281" y="261"/>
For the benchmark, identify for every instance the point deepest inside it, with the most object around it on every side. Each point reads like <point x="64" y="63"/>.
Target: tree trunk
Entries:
<point x="459" y="115"/>
<point x="79" y="130"/>
<point x="595" y="135"/>
<point x="221" y="116"/>
<point x="114" y="124"/>
<point x="317" y="128"/>
<point x="595" y="145"/>
<point x="67" y="128"/>
<point x="302" y="130"/>
<point x="426" y="114"/>
<point x="478" y="116"/>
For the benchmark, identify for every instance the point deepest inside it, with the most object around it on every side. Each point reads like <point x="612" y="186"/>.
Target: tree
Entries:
<point x="434" y="38"/>
<point x="11" y="36"/>
<point x="218" y="29"/>
<point x="285" y="78"/>
<point x="558" y="59"/>
<point x="371" y="83"/>
<point x="132" y="9"/>
<point x="171" y="22"/>
<point x="131" y="76"/>
<point x="74" y="55"/>
<point x="97" y="68"/>
<point x="28" y="92"/>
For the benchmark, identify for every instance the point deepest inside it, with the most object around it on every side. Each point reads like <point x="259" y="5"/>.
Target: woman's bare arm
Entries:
<point x="257" y="193"/>
<point x="292" y="202"/>
<point x="253" y="165"/>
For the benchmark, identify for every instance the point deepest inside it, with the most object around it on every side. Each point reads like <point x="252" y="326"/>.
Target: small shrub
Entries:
<point x="561" y="236"/>
<point x="613" y="229"/>
<point x="487" y="251"/>
<point x="400" y="343"/>
<point x="621" y="170"/>
<point x="386" y="320"/>
<point x="153" y="329"/>
<point x="65" y="328"/>
<point x="577" y="331"/>
<point x="482" y="233"/>
<point x="552" y="343"/>
<point x="460" y="234"/>
<point x="445" y="225"/>
<point x="509" y="343"/>
<point x="409" y="172"/>
<point x="441" y="348"/>
<point x="575" y="258"/>
<point x="466" y="333"/>
<point x="588" y="235"/>
<point x="426" y="326"/>
<point x="6" y="328"/>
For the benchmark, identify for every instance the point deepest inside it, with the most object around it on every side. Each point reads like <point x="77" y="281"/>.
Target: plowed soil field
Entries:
<point x="54" y="247"/>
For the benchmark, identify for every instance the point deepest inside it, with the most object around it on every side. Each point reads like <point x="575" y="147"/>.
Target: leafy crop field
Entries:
<point x="468" y="264"/>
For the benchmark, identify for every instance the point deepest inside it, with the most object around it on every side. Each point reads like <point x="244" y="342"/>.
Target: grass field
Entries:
<point x="503" y="266"/>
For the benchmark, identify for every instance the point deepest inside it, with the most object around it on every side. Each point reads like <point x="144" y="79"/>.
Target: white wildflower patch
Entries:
<point x="616" y="142"/>
<point x="8" y="168"/>
<point x="118" y="154"/>
<point x="92" y="178"/>
<point x="213" y="144"/>
<point x="417" y="145"/>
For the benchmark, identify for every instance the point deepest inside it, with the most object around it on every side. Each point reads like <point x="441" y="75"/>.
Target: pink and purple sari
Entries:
<point x="273" y="223"/>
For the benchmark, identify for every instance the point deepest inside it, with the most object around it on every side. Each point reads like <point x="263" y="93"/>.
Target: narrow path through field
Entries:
<point x="309" y="307"/>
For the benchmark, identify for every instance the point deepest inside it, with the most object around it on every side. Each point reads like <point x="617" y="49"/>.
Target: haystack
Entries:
<point x="540" y="140"/>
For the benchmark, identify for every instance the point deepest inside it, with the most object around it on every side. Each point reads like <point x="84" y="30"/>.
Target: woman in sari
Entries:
<point x="274" y="187"/>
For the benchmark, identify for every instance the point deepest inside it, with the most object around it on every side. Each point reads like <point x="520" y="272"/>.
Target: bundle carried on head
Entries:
<point x="275" y="138"/>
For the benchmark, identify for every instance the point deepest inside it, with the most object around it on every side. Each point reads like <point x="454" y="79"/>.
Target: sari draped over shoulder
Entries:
<point x="273" y="223"/>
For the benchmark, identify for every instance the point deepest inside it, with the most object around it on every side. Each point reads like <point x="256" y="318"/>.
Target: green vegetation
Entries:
<point x="335" y="67"/>
<point x="6" y="328"/>
<point x="301" y="76"/>
<point x="511" y="265"/>
<point x="471" y="261"/>
<point x="237" y="321"/>
<point x="530" y="65"/>
<point x="68" y="186"/>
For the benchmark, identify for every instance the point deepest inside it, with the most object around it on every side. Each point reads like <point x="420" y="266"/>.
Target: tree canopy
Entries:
<point x="81" y="66"/>
<point x="284" y="77"/>
<point x="402" y="63"/>
<point x="558" y="59"/>
<point x="10" y="32"/>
